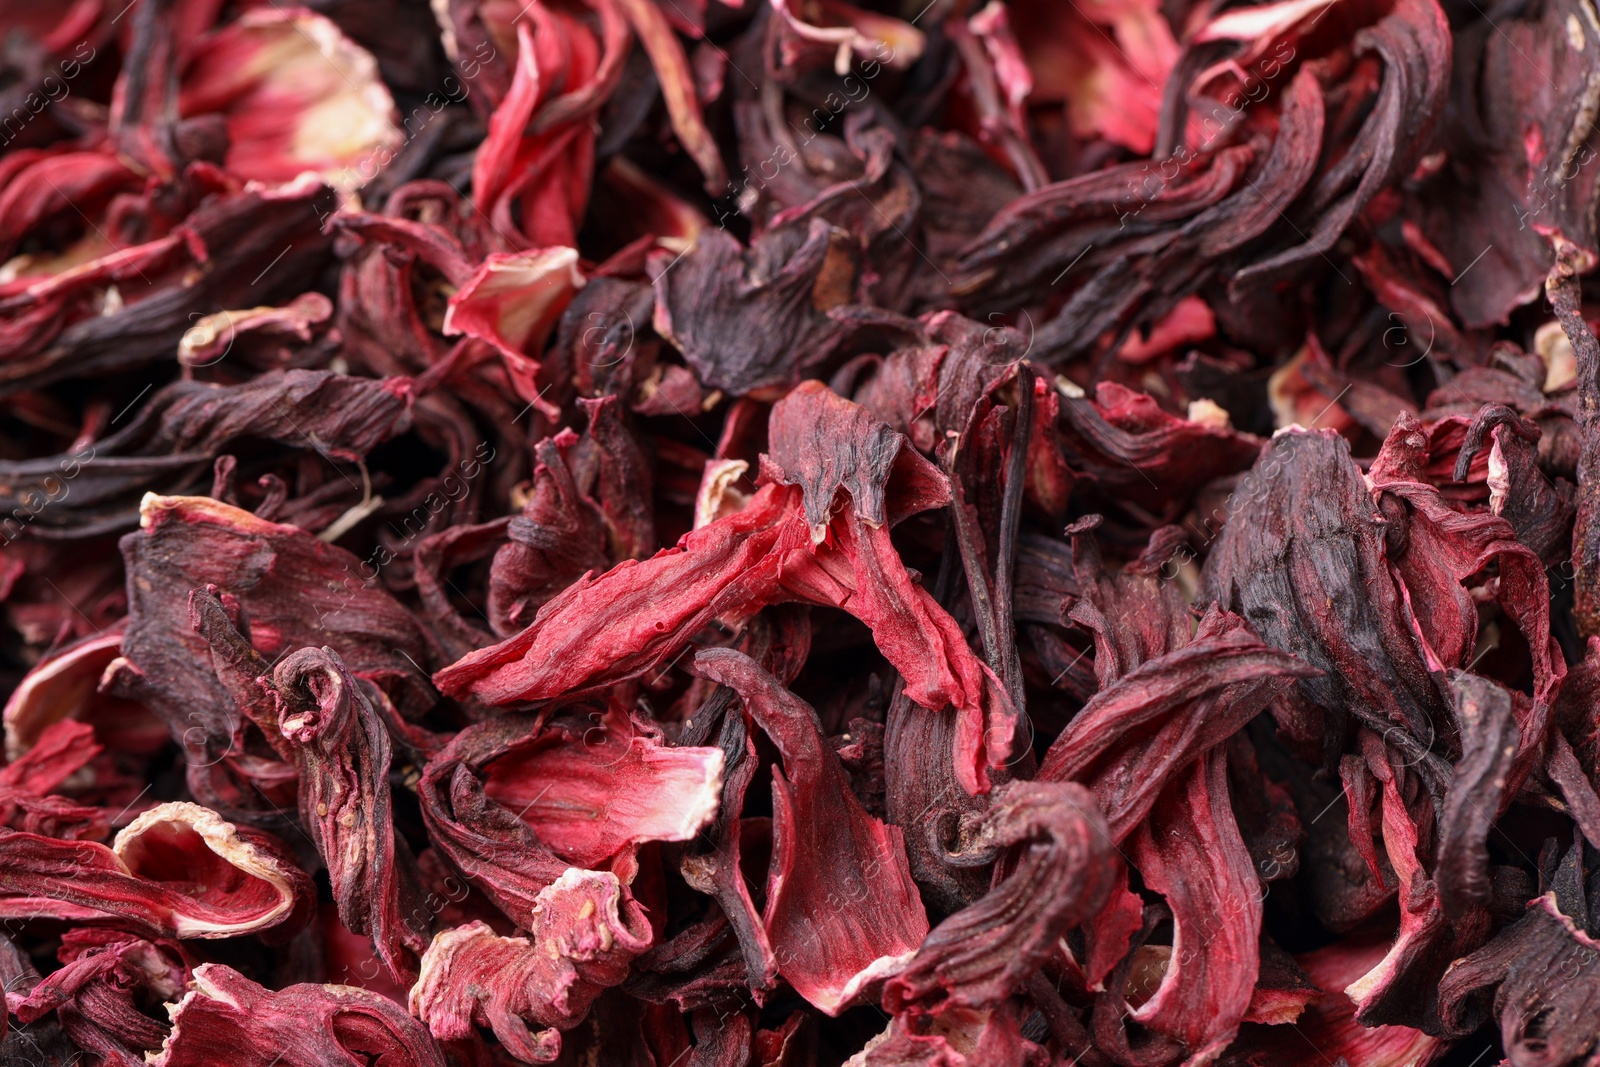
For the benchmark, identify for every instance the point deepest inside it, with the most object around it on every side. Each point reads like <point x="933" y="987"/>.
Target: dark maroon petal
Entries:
<point x="1135" y="615"/>
<point x="1565" y="292"/>
<point x="1539" y="509"/>
<point x="827" y="445"/>
<point x="925" y="798"/>
<point x="489" y="844"/>
<point x="1545" y="973"/>
<point x="292" y="589"/>
<point x="1303" y="558"/>
<point x="1489" y="742"/>
<point x="1121" y="434"/>
<point x="720" y="872"/>
<point x="342" y="751"/>
<point x="1502" y="189"/>
<point x="748" y="319"/>
<point x="1401" y="985"/>
<point x="1189" y="699"/>
<point x="1435" y="548"/>
<point x="1062" y="871"/>
<point x="53" y="330"/>
<point x="555" y="540"/>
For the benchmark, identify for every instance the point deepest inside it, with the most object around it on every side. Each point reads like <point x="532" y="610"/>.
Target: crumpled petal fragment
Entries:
<point x="584" y="933"/>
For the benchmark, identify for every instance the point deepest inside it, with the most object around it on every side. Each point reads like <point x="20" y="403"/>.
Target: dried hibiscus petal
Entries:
<point x="176" y="871"/>
<point x="28" y="783"/>
<point x="1191" y="852"/>
<point x="294" y="591"/>
<point x="1061" y="876"/>
<point x="584" y="933"/>
<point x="297" y="96"/>
<point x="342" y="751"/>
<point x="786" y="543"/>
<point x="739" y="316"/>
<point x="1545" y="973"/>
<point x="593" y="793"/>
<point x="841" y="911"/>
<point x="1069" y="525"/>
<point x="63" y="686"/>
<point x="103" y="992"/>
<point x="1304" y="560"/>
<point x="486" y="842"/>
<point x="224" y="1016"/>
<point x="1190" y="698"/>
<point x="958" y="1038"/>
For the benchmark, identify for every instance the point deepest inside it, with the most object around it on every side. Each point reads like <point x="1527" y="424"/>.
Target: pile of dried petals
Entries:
<point x="789" y="533"/>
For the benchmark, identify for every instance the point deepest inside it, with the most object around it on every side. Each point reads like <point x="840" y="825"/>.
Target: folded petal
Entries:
<point x="842" y="911"/>
<point x="1191" y="853"/>
<point x="292" y="589"/>
<point x="177" y="871"/>
<point x="1544" y="970"/>
<point x="1136" y="735"/>
<point x="227" y="1018"/>
<point x="1304" y="558"/>
<point x="342" y="751"/>
<point x="595" y="791"/>
<point x="105" y="980"/>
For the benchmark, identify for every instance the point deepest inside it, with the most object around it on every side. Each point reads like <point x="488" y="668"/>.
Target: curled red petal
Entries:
<point x="178" y="870"/>
<point x="842" y="911"/>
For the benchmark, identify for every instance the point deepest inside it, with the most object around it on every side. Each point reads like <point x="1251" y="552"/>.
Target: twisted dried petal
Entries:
<point x="342" y="751"/>
<point x="1132" y="738"/>
<point x="98" y="991"/>
<point x="1063" y="874"/>
<point x="1191" y="852"/>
